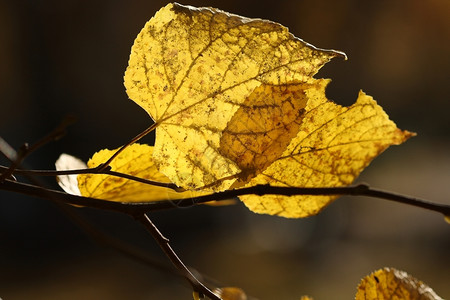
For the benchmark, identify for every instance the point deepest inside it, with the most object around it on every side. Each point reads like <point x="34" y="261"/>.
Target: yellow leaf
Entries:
<point x="235" y="104"/>
<point x="135" y="161"/>
<point x="263" y="126"/>
<point x="231" y="293"/>
<point x="389" y="283"/>
<point x="193" y="69"/>
<point x="332" y="146"/>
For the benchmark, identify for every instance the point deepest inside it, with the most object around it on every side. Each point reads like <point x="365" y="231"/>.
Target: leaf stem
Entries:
<point x="103" y="166"/>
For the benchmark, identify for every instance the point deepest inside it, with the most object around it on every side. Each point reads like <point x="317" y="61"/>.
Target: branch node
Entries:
<point x="261" y="189"/>
<point x="102" y="168"/>
<point x="361" y="189"/>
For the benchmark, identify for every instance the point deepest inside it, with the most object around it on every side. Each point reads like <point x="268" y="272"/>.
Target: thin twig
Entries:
<point x="161" y="204"/>
<point x="139" y="209"/>
<point x="132" y="141"/>
<point x="163" y="242"/>
<point x="26" y="150"/>
<point x="19" y="157"/>
<point x="95" y="170"/>
<point x="97" y="235"/>
<point x="123" y="248"/>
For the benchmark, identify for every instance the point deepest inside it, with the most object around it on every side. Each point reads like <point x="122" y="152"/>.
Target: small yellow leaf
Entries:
<point x="389" y="283"/>
<point x="135" y="160"/>
<point x="192" y="69"/>
<point x="231" y="293"/>
<point x="333" y="145"/>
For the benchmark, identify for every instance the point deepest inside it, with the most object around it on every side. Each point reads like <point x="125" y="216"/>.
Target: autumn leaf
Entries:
<point x="236" y="105"/>
<point x="192" y="69"/>
<point x="389" y="283"/>
<point x="260" y="130"/>
<point x="332" y="146"/>
<point x="231" y="293"/>
<point x="132" y="161"/>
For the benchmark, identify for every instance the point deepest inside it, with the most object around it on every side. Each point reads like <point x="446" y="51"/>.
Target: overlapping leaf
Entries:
<point x="192" y="69"/>
<point x="235" y="104"/>
<point x="332" y="146"/>
<point x="132" y="161"/>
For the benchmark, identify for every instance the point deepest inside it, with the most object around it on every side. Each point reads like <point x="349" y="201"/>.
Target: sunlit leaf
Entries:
<point x="332" y="146"/>
<point x="135" y="161"/>
<point x="389" y="283"/>
<point x="231" y="293"/>
<point x="192" y="69"/>
<point x="235" y="104"/>
<point x="263" y="126"/>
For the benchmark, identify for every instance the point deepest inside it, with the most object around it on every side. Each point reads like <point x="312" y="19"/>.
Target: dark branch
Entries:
<point x="105" y="171"/>
<point x="132" y="141"/>
<point x="163" y="242"/>
<point x="161" y="204"/>
<point x="17" y="158"/>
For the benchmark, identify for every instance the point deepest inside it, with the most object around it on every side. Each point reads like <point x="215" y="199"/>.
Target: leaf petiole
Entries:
<point x="103" y="166"/>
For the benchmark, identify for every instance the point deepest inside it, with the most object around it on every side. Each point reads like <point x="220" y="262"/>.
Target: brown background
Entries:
<point x="61" y="57"/>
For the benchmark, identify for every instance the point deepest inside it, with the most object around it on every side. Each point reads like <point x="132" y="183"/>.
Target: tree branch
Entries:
<point x="133" y="208"/>
<point x="139" y="210"/>
<point x="132" y="141"/>
<point x="17" y="158"/>
<point x="163" y="242"/>
<point x="105" y="171"/>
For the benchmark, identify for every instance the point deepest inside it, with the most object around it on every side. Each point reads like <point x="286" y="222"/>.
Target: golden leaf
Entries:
<point x="231" y="293"/>
<point x="389" y="283"/>
<point x="332" y="146"/>
<point x="263" y="126"/>
<point x="192" y="69"/>
<point x="235" y="104"/>
<point x="135" y="161"/>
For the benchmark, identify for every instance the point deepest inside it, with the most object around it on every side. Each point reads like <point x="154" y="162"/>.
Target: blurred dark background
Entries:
<point x="68" y="57"/>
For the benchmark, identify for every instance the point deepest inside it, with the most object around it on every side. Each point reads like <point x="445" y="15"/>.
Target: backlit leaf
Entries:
<point x="192" y="69"/>
<point x="236" y="105"/>
<point x="231" y="293"/>
<point x="263" y="126"/>
<point x="332" y="146"/>
<point x="389" y="283"/>
<point x="135" y="161"/>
